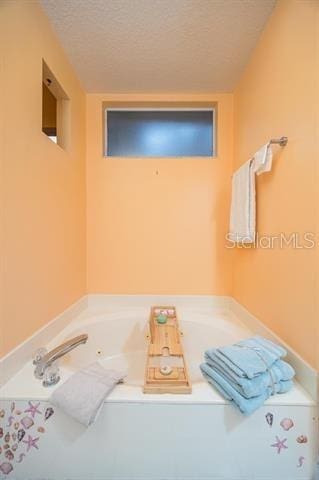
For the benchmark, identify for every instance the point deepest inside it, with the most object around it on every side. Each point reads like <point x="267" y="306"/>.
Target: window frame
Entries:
<point x="206" y="107"/>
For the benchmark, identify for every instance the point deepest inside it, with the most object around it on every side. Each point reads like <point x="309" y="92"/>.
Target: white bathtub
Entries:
<point x="118" y="340"/>
<point x="157" y="437"/>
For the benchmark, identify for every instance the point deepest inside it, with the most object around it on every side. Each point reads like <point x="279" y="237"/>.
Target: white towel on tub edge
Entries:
<point x="82" y="395"/>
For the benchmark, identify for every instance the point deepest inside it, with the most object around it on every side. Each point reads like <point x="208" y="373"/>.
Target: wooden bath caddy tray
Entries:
<point x="166" y="370"/>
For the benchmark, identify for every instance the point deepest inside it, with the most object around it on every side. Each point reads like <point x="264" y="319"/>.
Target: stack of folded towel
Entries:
<point x="249" y="372"/>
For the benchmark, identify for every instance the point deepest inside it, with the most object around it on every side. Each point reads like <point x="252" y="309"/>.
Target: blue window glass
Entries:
<point x="159" y="133"/>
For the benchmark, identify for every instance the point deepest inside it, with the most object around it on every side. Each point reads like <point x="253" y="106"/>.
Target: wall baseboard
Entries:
<point x="11" y="363"/>
<point x="97" y="301"/>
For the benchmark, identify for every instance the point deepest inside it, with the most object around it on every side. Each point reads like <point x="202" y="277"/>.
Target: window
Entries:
<point x="54" y="108"/>
<point x="159" y="132"/>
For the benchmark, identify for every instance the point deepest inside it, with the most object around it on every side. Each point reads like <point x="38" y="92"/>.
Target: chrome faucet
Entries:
<point x="43" y="362"/>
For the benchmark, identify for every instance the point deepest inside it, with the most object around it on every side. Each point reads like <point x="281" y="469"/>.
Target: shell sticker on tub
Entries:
<point x="286" y="424"/>
<point x="280" y="445"/>
<point x="269" y="418"/>
<point x="300" y="461"/>
<point x="302" y="439"/>
<point x="20" y="432"/>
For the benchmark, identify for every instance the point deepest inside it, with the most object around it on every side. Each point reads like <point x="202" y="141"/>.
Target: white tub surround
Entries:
<point x="161" y="436"/>
<point x="177" y="441"/>
<point x="11" y="363"/>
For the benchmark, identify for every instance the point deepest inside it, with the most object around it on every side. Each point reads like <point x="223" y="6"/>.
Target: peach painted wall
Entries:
<point x="277" y="96"/>
<point x="43" y="205"/>
<point x="162" y="233"/>
<point x="43" y="240"/>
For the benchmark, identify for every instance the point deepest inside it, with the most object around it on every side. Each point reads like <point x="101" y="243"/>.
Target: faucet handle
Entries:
<point x="38" y="355"/>
<point x="51" y="376"/>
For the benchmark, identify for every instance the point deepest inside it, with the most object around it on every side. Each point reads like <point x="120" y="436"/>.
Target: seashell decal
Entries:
<point x="21" y="434"/>
<point x="13" y="437"/>
<point x="269" y="418"/>
<point x="302" y="439"/>
<point x="300" y="461"/>
<point x="27" y="422"/>
<point x="286" y="424"/>
<point x="9" y="455"/>
<point x="6" y="468"/>
<point x="48" y="413"/>
<point x="10" y="421"/>
<point x="21" y="456"/>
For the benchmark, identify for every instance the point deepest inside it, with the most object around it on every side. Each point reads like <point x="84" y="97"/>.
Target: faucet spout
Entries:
<point x="57" y="353"/>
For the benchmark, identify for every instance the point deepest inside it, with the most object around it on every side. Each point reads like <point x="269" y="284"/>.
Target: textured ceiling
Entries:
<point x="158" y="45"/>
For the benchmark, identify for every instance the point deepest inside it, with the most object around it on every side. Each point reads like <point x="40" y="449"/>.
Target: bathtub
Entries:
<point x="154" y="436"/>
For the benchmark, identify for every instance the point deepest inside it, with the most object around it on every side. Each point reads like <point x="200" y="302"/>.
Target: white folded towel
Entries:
<point x="262" y="160"/>
<point x="82" y="395"/>
<point x="243" y="207"/>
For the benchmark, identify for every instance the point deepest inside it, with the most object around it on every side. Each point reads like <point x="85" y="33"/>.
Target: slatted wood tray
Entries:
<point x="165" y="343"/>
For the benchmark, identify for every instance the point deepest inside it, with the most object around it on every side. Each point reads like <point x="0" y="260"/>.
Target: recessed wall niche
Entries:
<point x="55" y="108"/>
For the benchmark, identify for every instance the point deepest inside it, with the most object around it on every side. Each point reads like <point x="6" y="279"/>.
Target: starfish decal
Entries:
<point x="31" y="442"/>
<point x="33" y="409"/>
<point x="280" y="444"/>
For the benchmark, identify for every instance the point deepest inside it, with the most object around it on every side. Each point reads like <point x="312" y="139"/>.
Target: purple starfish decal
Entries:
<point x="33" y="409"/>
<point x="31" y="442"/>
<point x="280" y="444"/>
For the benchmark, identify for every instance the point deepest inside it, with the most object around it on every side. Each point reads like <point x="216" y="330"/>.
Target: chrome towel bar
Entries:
<point x="282" y="141"/>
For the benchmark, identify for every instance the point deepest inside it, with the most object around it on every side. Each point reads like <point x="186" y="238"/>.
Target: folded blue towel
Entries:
<point x="249" y="358"/>
<point x="248" y="372"/>
<point x="272" y="347"/>
<point x="280" y="369"/>
<point x="275" y="378"/>
<point x="245" y="405"/>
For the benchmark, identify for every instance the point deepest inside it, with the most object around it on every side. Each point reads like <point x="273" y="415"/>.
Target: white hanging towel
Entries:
<point x="242" y="213"/>
<point x="263" y="159"/>
<point x="243" y="203"/>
